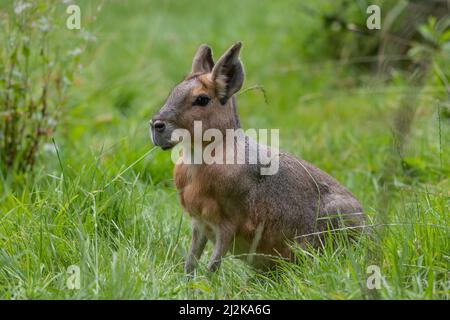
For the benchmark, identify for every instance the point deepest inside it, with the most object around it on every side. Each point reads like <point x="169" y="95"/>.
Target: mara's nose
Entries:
<point x="159" y="125"/>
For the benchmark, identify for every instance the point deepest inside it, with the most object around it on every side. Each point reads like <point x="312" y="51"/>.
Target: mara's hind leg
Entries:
<point x="342" y="213"/>
<point x="198" y="244"/>
<point x="224" y="234"/>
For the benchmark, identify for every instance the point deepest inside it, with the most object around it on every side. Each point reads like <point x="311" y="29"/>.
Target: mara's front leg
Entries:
<point x="198" y="244"/>
<point x="224" y="234"/>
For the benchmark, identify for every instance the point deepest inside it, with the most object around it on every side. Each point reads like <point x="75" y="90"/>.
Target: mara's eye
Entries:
<point x="201" y="101"/>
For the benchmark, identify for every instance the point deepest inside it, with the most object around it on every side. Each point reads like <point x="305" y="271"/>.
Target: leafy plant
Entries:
<point x="35" y="74"/>
<point x="434" y="49"/>
<point x="435" y="39"/>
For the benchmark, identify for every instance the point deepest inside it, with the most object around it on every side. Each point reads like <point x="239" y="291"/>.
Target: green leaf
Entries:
<point x="13" y="57"/>
<point x="445" y="36"/>
<point x="414" y="166"/>
<point x="26" y="50"/>
<point x="427" y="33"/>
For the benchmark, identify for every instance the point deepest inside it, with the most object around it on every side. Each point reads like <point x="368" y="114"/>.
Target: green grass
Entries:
<point x="94" y="205"/>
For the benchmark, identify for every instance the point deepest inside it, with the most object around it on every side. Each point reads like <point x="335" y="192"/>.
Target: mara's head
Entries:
<point x="204" y="95"/>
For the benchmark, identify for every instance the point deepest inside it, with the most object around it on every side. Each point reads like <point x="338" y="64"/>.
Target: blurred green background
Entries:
<point x="102" y="204"/>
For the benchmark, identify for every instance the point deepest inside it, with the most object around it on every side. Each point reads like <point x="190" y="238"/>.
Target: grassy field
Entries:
<point x="105" y="200"/>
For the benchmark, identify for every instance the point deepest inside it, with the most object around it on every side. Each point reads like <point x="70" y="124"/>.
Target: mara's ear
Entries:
<point x="228" y="73"/>
<point x="203" y="61"/>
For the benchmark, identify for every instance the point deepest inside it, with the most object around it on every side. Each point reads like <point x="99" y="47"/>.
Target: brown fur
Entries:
<point x="232" y="205"/>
